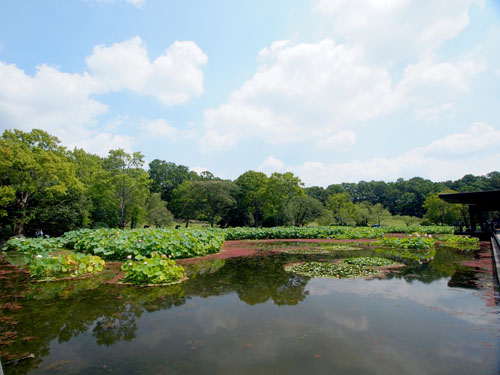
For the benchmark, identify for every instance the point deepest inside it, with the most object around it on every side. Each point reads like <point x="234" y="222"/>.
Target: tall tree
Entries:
<point x="129" y="184"/>
<point x="157" y="211"/>
<point x="342" y="208"/>
<point x="441" y="212"/>
<point x="167" y="176"/>
<point x="280" y="189"/>
<point x="217" y="198"/>
<point x="252" y="196"/>
<point x="31" y="164"/>
<point x="186" y="202"/>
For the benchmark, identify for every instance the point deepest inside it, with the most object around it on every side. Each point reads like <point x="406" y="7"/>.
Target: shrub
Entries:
<point x="118" y="244"/>
<point x="461" y="242"/>
<point x="338" y="232"/>
<point x="158" y="269"/>
<point x="64" y="265"/>
<point x="417" y="242"/>
<point x="31" y="246"/>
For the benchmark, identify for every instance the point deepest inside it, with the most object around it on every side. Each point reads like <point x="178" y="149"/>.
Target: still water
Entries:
<point x="247" y="315"/>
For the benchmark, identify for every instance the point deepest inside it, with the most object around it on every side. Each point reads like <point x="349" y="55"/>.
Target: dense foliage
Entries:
<point x="424" y="229"/>
<point x="246" y="233"/>
<point x="416" y="242"/>
<point x="156" y="269"/>
<point x="460" y="242"/>
<point x="118" y="244"/>
<point x="64" y="265"/>
<point x="44" y="186"/>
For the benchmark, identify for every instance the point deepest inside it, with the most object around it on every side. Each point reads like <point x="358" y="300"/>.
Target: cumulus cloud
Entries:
<point x="389" y="30"/>
<point x="271" y="164"/>
<point x="340" y="141"/>
<point x="65" y="104"/>
<point x="303" y="91"/>
<point x="173" y="78"/>
<point x="446" y="158"/>
<point x="314" y="91"/>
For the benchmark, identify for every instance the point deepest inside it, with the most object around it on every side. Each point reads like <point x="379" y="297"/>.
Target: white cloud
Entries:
<point x="49" y="99"/>
<point x="199" y="169"/>
<point x="101" y="143"/>
<point x="213" y="141"/>
<point x="173" y="78"/>
<point x="435" y="112"/>
<point x="65" y="104"/>
<point x="138" y="3"/>
<point x="303" y="91"/>
<point x="271" y="164"/>
<point x="159" y="128"/>
<point x="340" y="141"/>
<point x="448" y="158"/>
<point x="389" y="30"/>
<point x="313" y="91"/>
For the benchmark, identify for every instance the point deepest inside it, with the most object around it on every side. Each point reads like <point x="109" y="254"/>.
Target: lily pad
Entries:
<point x="332" y="270"/>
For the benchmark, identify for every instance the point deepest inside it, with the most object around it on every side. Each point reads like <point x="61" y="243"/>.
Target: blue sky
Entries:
<point x="332" y="90"/>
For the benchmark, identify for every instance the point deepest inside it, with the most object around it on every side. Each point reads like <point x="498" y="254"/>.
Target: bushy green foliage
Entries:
<point x="245" y="233"/>
<point x="33" y="245"/>
<point x="460" y="242"/>
<point x="64" y="265"/>
<point x="157" y="269"/>
<point x="429" y="229"/>
<point x="118" y="244"/>
<point x="370" y="261"/>
<point x="416" y="242"/>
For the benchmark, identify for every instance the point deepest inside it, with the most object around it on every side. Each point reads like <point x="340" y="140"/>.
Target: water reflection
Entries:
<point x="196" y="320"/>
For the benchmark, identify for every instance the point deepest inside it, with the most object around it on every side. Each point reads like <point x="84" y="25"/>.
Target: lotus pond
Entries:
<point x="435" y="314"/>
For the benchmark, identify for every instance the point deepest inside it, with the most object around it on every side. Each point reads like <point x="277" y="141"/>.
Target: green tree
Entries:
<point x="441" y="212"/>
<point x="186" y="202"/>
<point x="167" y="176"/>
<point x="280" y="189"/>
<point x="303" y="209"/>
<point x="31" y="164"/>
<point x="129" y="184"/>
<point x="342" y="208"/>
<point x="217" y="198"/>
<point x="157" y="212"/>
<point x="251" y="198"/>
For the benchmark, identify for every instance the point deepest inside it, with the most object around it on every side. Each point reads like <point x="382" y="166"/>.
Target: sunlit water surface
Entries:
<point x="249" y="316"/>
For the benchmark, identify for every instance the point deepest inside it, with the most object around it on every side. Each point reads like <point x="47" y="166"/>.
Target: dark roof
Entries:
<point x="486" y="200"/>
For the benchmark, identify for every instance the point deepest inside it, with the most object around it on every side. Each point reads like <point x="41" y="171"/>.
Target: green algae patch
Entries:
<point x="332" y="270"/>
<point x="349" y="268"/>
<point x="371" y="262"/>
<point x="320" y="249"/>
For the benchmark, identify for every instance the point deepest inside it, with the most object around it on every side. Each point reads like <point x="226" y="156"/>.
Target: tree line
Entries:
<point x="45" y="186"/>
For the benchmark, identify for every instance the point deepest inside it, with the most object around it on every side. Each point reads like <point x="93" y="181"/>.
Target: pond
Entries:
<point x="247" y="315"/>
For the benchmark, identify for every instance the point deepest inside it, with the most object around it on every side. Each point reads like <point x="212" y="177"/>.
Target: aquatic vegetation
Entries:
<point x="118" y="244"/>
<point x="64" y="265"/>
<point x="338" y="232"/>
<point x="333" y="270"/>
<point x="416" y="242"/>
<point x="371" y="262"/>
<point x="157" y="269"/>
<point x="460" y="242"/>
<point x="31" y="246"/>
<point x="321" y="249"/>
<point x="427" y="229"/>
